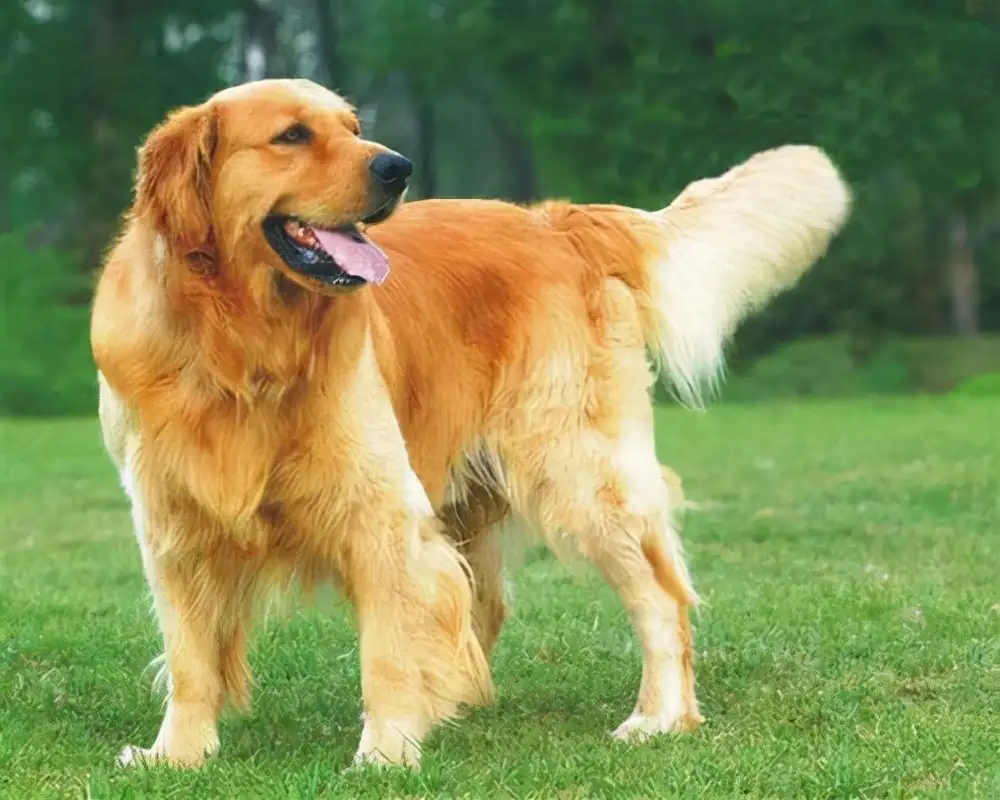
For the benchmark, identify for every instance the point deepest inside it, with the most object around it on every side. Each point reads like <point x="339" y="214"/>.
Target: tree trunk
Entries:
<point x="515" y="150"/>
<point x="262" y="55"/>
<point x="329" y="45"/>
<point x="963" y="280"/>
<point x="426" y="144"/>
<point x="518" y="158"/>
<point x="103" y="180"/>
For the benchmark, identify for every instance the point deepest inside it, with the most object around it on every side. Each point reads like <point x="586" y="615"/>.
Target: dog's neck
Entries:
<point x="244" y="333"/>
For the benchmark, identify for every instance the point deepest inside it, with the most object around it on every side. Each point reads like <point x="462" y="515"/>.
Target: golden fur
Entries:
<point x="269" y="430"/>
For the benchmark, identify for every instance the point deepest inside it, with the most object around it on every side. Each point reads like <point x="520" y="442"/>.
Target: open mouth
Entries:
<point x="338" y="257"/>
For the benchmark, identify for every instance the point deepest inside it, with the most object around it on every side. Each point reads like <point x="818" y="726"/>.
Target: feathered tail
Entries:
<point x="724" y="248"/>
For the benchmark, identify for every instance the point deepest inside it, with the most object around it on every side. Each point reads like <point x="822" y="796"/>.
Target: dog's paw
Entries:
<point x="639" y="727"/>
<point x="132" y="756"/>
<point x="406" y="756"/>
<point x="391" y="744"/>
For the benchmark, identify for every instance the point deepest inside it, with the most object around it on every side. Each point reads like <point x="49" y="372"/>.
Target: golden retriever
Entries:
<point x="292" y="391"/>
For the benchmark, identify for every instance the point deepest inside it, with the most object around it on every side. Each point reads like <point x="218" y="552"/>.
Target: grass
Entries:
<point x="848" y="552"/>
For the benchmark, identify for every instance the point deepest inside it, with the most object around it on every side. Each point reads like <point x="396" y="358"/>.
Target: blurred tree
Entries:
<point x="438" y="47"/>
<point x="80" y="82"/>
<point x="623" y="100"/>
<point x="262" y="53"/>
<point x="631" y="100"/>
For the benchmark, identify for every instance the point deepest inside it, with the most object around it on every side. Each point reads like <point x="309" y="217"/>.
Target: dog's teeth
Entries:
<point x="300" y="233"/>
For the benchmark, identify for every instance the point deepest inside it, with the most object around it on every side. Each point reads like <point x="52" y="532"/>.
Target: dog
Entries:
<point x="302" y="380"/>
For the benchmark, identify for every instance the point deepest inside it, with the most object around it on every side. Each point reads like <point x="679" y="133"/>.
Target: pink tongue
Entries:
<point x="356" y="254"/>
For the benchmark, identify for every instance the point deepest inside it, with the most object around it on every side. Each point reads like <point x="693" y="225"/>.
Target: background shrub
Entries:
<point x="45" y="364"/>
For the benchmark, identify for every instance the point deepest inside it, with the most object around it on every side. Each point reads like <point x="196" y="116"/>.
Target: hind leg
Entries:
<point x="474" y="525"/>
<point x="660" y="612"/>
<point x="610" y="494"/>
<point x="485" y="558"/>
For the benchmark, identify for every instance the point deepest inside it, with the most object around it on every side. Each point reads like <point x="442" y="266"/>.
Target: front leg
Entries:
<point x="420" y="658"/>
<point x="202" y="600"/>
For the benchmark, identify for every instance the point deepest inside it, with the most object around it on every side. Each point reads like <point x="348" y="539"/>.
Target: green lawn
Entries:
<point x="850" y="646"/>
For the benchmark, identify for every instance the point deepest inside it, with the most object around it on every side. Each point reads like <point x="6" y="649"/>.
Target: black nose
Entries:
<point x="391" y="169"/>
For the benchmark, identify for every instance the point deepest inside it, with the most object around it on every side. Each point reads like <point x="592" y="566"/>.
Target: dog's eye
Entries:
<point x="296" y="134"/>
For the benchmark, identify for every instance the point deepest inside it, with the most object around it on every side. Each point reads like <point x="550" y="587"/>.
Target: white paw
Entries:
<point x="640" y="727"/>
<point x="405" y="757"/>
<point x="370" y="758"/>
<point x="391" y="744"/>
<point x="133" y="756"/>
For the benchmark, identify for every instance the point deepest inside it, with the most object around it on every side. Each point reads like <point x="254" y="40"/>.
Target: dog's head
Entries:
<point x="273" y="173"/>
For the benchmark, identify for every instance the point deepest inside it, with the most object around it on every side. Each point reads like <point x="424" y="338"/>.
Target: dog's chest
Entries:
<point x="258" y="480"/>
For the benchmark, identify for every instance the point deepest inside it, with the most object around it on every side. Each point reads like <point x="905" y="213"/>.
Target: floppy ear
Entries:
<point x="174" y="183"/>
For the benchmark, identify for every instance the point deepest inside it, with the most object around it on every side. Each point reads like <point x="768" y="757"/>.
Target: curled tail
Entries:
<point x="723" y="249"/>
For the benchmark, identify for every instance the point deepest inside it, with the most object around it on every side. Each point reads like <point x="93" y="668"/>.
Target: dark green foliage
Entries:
<point x="663" y="93"/>
<point x="985" y="385"/>
<point x="832" y="367"/>
<point x="45" y="362"/>
<point x="81" y="81"/>
<point x="624" y="102"/>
